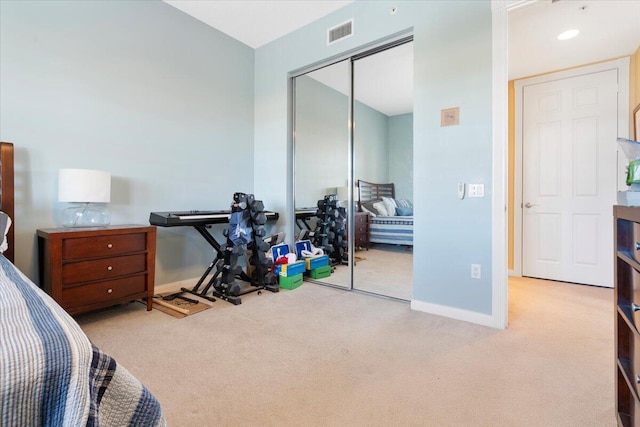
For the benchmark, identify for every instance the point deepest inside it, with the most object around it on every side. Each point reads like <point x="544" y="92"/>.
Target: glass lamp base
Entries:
<point x="86" y="215"/>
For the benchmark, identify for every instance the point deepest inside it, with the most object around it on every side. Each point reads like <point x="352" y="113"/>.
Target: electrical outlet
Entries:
<point x="476" y="271"/>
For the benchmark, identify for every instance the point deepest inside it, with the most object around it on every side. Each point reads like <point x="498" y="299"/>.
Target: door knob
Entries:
<point x="529" y="205"/>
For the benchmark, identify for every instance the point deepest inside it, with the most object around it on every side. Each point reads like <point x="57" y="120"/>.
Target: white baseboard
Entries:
<point x="175" y="286"/>
<point x="454" y="313"/>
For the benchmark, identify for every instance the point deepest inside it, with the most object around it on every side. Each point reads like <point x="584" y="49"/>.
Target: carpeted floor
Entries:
<point x="383" y="269"/>
<point x="319" y="356"/>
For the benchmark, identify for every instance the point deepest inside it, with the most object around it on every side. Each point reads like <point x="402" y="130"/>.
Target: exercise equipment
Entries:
<point x="244" y="237"/>
<point x="330" y="231"/>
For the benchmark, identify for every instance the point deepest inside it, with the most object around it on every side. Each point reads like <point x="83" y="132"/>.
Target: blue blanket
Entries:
<point x="51" y="374"/>
<point x="396" y="230"/>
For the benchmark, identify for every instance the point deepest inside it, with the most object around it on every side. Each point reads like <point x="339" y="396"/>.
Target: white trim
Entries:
<point x="622" y="66"/>
<point x="175" y="286"/>
<point x="517" y="4"/>
<point x="499" y="286"/>
<point x="454" y="313"/>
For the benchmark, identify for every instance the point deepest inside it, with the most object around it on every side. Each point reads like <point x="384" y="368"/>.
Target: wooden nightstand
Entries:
<point x="85" y="269"/>
<point x="361" y="229"/>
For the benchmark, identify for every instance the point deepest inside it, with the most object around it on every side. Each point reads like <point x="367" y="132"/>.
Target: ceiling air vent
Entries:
<point x="340" y="32"/>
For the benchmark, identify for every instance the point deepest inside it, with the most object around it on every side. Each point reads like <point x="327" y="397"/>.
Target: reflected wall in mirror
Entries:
<point x="321" y="144"/>
<point x="383" y="165"/>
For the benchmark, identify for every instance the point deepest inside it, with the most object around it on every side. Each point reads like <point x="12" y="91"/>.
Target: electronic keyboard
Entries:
<point x="196" y="218"/>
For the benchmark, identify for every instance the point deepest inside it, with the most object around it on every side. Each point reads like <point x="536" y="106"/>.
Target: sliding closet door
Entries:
<point x="321" y="162"/>
<point x="383" y="156"/>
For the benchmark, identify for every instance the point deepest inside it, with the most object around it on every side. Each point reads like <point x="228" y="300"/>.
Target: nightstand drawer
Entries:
<point x="88" y="247"/>
<point x="635" y="249"/>
<point x="105" y="268"/>
<point x="101" y="292"/>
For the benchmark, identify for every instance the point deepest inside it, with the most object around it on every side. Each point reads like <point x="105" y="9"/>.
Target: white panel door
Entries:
<point x="569" y="178"/>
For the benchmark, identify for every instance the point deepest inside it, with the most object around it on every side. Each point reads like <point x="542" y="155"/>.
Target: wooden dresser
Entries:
<point x="361" y="229"/>
<point x="85" y="269"/>
<point x="627" y="306"/>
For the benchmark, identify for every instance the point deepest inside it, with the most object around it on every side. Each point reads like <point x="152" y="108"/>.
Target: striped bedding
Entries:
<point x="396" y="230"/>
<point x="51" y="374"/>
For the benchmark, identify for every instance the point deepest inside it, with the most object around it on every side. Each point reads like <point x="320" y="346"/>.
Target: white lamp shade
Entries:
<point x="84" y="186"/>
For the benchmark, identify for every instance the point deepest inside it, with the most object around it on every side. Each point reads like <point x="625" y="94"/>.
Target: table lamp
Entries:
<point x="89" y="191"/>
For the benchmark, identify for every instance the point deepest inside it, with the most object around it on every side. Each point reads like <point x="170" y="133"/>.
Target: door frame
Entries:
<point x="622" y="66"/>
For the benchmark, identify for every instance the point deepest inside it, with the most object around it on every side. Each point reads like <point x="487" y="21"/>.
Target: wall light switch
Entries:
<point x="476" y="190"/>
<point x="461" y="190"/>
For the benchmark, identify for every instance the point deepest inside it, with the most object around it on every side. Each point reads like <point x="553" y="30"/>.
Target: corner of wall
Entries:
<point x="634" y="85"/>
<point x="511" y="148"/>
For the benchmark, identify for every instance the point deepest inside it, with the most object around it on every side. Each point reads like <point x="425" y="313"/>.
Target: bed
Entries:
<point x="390" y="219"/>
<point x="50" y="373"/>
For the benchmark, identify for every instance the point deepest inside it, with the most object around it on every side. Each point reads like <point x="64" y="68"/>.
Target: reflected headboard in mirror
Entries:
<point x="7" y="193"/>
<point x="371" y="191"/>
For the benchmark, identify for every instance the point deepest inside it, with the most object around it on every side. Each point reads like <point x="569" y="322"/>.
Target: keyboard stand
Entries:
<point x="202" y="229"/>
<point x="202" y="221"/>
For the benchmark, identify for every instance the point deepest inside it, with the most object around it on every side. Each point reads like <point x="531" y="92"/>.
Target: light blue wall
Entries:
<point x="321" y="140"/>
<point x="166" y="104"/>
<point x="138" y="88"/>
<point x="400" y="153"/>
<point x="452" y="48"/>
<point x="321" y="144"/>
<point x="370" y="144"/>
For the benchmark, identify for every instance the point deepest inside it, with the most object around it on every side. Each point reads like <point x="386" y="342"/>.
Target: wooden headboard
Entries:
<point x="6" y="193"/>
<point x="371" y="191"/>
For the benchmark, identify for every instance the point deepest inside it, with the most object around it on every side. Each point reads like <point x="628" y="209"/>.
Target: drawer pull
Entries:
<point x="637" y="246"/>
<point x="638" y="379"/>
<point x="109" y="290"/>
<point x="109" y="268"/>
<point x="635" y="306"/>
<point x="110" y="245"/>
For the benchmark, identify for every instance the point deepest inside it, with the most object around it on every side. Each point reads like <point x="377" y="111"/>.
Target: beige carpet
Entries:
<point x="319" y="356"/>
<point x="383" y="269"/>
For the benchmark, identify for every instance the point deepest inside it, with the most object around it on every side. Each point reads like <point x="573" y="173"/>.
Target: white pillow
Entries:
<point x="381" y="208"/>
<point x="5" y="224"/>
<point x="390" y="206"/>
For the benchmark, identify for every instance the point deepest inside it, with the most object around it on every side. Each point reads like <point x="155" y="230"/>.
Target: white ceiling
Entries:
<point x="608" y="29"/>
<point x="383" y="81"/>
<point x="256" y="23"/>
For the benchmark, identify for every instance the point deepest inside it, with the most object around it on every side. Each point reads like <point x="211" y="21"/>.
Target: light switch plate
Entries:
<point x="476" y="190"/>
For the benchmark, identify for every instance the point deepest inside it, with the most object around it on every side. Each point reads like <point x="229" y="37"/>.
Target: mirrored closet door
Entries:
<point x="321" y="160"/>
<point x="353" y="128"/>
<point x="383" y="171"/>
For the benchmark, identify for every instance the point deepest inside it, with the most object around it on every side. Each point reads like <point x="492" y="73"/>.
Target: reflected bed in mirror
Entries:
<point x="390" y="219"/>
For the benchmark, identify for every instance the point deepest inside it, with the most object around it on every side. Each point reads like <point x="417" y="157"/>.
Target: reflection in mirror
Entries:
<point x="321" y="138"/>
<point x="383" y="165"/>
